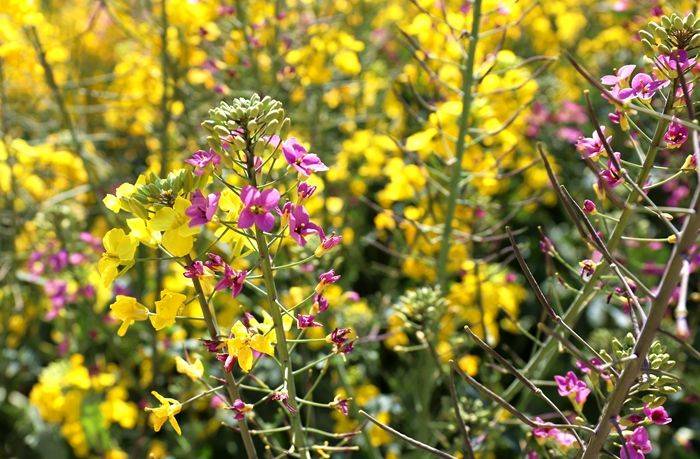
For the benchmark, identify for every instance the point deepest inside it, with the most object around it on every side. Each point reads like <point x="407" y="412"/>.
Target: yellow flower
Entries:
<point x="128" y="310"/>
<point x="166" y="309"/>
<point x="178" y="236"/>
<point x="243" y="343"/>
<point x="119" y="250"/>
<point x="194" y="370"/>
<point x="167" y="410"/>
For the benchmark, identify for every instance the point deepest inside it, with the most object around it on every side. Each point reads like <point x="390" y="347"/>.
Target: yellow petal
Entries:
<point x="245" y="359"/>
<point x="176" y="244"/>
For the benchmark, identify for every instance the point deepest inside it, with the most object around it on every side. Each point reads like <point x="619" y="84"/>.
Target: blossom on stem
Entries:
<point x="675" y="135"/>
<point x="119" y="250"/>
<point x="304" y="190"/>
<point x="240" y="408"/>
<point x="231" y="279"/>
<point x="203" y="208"/>
<point x="327" y="278"/>
<point x="166" y="309"/>
<point x="300" y="225"/>
<point x="167" y="410"/>
<point x="200" y="159"/>
<point x="657" y="415"/>
<point x="328" y="242"/>
<point x="612" y="176"/>
<point x="592" y="147"/>
<point x="589" y="207"/>
<point x="636" y="445"/>
<point x="307" y="321"/>
<point x="298" y="157"/>
<point x="676" y="62"/>
<point x="282" y="396"/>
<point x="258" y="206"/>
<point x="575" y="389"/>
<point x="195" y="270"/>
<point x="128" y="310"/>
<point x="643" y="86"/>
<point x="243" y="343"/>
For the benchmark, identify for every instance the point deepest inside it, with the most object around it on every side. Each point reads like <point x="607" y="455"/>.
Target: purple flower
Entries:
<point x="637" y="445"/>
<point x="340" y="404"/>
<point x="592" y="147"/>
<point x="298" y="157"/>
<point x="328" y="242"/>
<point x="240" y="408"/>
<point x="588" y="267"/>
<point x="283" y="397"/>
<point x="676" y="134"/>
<point x="300" y="225"/>
<point x="232" y="279"/>
<point x="320" y="303"/>
<point x="327" y="278"/>
<point x="215" y="262"/>
<point x="211" y="344"/>
<point x="338" y="336"/>
<point x="643" y="86"/>
<point x="58" y="261"/>
<point x="307" y="321"/>
<point x="589" y="207"/>
<point x="195" y="270"/>
<point x="572" y="387"/>
<point x="657" y="415"/>
<point x="203" y="208"/>
<point x="677" y="60"/>
<point x="228" y="360"/>
<point x="305" y="190"/>
<point x="200" y="159"/>
<point x="612" y="176"/>
<point x="257" y="208"/>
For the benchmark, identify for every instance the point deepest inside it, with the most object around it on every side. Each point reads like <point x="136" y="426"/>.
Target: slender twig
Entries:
<point x="406" y="438"/>
<point x="467" y="98"/>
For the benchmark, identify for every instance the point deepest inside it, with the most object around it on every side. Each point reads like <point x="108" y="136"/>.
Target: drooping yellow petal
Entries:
<point x="164" y="219"/>
<point x="166" y="309"/>
<point x="245" y="359"/>
<point x="194" y="370"/>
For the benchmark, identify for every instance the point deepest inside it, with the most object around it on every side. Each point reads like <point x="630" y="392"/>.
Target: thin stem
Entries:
<point x="467" y="97"/>
<point x="231" y="386"/>
<point x="406" y="438"/>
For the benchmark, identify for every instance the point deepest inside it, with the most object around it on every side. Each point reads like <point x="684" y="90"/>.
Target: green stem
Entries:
<point x="467" y="98"/>
<point x="231" y="386"/>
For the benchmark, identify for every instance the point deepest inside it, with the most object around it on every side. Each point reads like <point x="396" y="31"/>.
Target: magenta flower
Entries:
<point x="340" y="404"/>
<point x="327" y="278"/>
<point x="240" y="408"/>
<point x="657" y="415"/>
<point x="320" y="303"/>
<point x="215" y="262"/>
<point x="589" y="207"/>
<point x="200" y="159"/>
<point x="307" y="321"/>
<point x="283" y="397"/>
<point x="195" y="270"/>
<point x="339" y="336"/>
<point x="228" y="360"/>
<point x="643" y="86"/>
<point x="676" y="134"/>
<point x="637" y="445"/>
<point x="231" y="279"/>
<point x="300" y="225"/>
<point x="202" y="209"/>
<point x="305" y="190"/>
<point x="257" y="208"/>
<point x="328" y="242"/>
<point x="612" y="176"/>
<point x="304" y="162"/>
<point x="575" y="389"/>
<point x="592" y="147"/>
<point x="677" y="60"/>
<point x="544" y="433"/>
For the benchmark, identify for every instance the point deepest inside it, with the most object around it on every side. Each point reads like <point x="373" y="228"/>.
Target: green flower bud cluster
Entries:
<point x="418" y="306"/>
<point x="160" y="192"/>
<point x="656" y="379"/>
<point x="244" y="122"/>
<point x="672" y="33"/>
